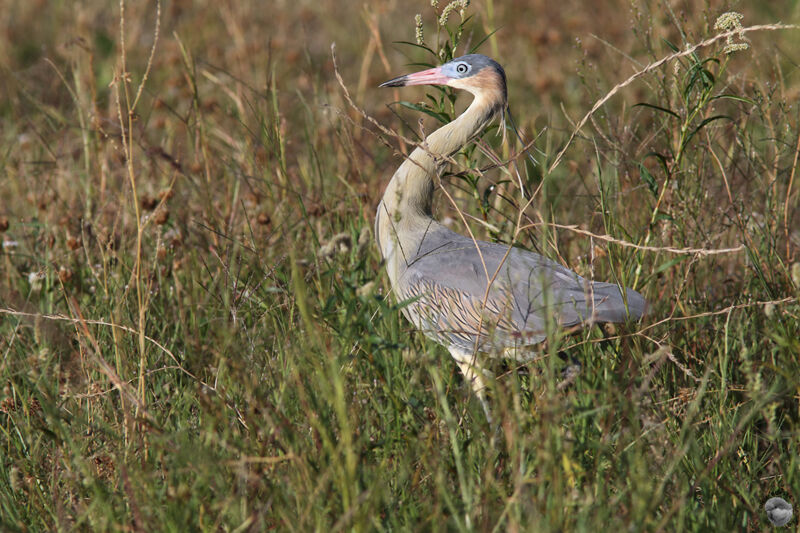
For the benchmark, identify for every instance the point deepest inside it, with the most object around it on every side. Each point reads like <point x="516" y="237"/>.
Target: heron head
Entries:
<point x="475" y="73"/>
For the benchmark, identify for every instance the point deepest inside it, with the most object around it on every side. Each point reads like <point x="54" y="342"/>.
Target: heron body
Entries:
<point x="474" y="297"/>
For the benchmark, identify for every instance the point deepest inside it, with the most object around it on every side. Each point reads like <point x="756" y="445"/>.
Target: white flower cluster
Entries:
<point x="461" y="5"/>
<point x="418" y="28"/>
<point x="731" y="21"/>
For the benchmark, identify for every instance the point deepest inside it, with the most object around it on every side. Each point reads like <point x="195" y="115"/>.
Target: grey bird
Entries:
<point x="779" y="511"/>
<point x="478" y="299"/>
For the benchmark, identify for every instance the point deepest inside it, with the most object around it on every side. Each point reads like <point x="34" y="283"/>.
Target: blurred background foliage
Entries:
<point x="193" y="332"/>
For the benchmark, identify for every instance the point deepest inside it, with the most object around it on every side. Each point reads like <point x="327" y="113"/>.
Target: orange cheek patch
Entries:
<point x="485" y="81"/>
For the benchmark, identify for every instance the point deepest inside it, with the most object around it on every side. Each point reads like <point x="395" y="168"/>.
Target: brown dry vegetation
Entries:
<point x="179" y="350"/>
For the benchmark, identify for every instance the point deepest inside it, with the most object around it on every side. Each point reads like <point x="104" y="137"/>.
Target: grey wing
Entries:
<point x="549" y="287"/>
<point x="455" y="317"/>
<point x="453" y="305"/>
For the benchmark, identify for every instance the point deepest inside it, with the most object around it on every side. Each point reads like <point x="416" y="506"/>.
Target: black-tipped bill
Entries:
<point x="432" y="76"/>
<point x="399" y="81"/>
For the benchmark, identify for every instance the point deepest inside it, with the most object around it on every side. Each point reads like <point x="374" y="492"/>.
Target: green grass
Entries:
<point x="178" y="352"/>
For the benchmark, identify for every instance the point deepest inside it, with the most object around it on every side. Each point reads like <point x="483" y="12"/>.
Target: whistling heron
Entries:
<point x="479" y="299"/>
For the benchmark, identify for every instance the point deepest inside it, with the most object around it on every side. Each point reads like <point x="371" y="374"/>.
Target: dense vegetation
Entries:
<point x="194" y="332"/>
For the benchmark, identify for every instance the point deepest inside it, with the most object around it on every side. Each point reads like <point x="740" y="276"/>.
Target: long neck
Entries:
<point x="407" y="201"/>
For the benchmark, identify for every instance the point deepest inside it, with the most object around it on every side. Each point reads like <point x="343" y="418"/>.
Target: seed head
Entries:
<point x="418" y="29"/>
<point x="461" y="5"/>
<point x="731" y="21"/>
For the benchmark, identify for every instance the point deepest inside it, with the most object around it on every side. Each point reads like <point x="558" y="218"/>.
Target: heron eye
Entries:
<point x="462" y="68"/>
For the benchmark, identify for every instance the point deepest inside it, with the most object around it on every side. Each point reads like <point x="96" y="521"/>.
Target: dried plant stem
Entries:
<point x="81" y="320"/>
<point x="126" y="117"/>
<point x="788" y="299"/>
<point x="679" y="251"/>
<point x="156" y="33"/>
<point x="126" y="130"/>
<point x="788" y="197"/>
<point x="653" y="66"/>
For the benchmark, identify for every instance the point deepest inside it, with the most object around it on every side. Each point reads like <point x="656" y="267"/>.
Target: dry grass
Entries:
<point x="193" y="328"/>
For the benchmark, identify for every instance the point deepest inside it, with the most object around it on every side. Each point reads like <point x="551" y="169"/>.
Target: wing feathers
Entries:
<point x="450" y="282"/>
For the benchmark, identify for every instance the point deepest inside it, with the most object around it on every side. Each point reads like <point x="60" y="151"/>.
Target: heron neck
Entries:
<point x="407" y="201"/>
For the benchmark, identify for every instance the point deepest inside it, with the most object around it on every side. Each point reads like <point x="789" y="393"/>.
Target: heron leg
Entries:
<point x="475" y="375"/>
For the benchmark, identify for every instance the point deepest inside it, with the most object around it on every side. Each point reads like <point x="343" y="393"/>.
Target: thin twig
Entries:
<point x="627" y="244"/>
<point x="726" y="310"/>
<point x="652" y="66"/>
<point x="788" y="196"/>
<point x="149" y="59"/>
<point x="64" y="318"/>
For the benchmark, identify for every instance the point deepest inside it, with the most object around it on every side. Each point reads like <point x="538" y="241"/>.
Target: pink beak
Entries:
<point x="432" y="76"/>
